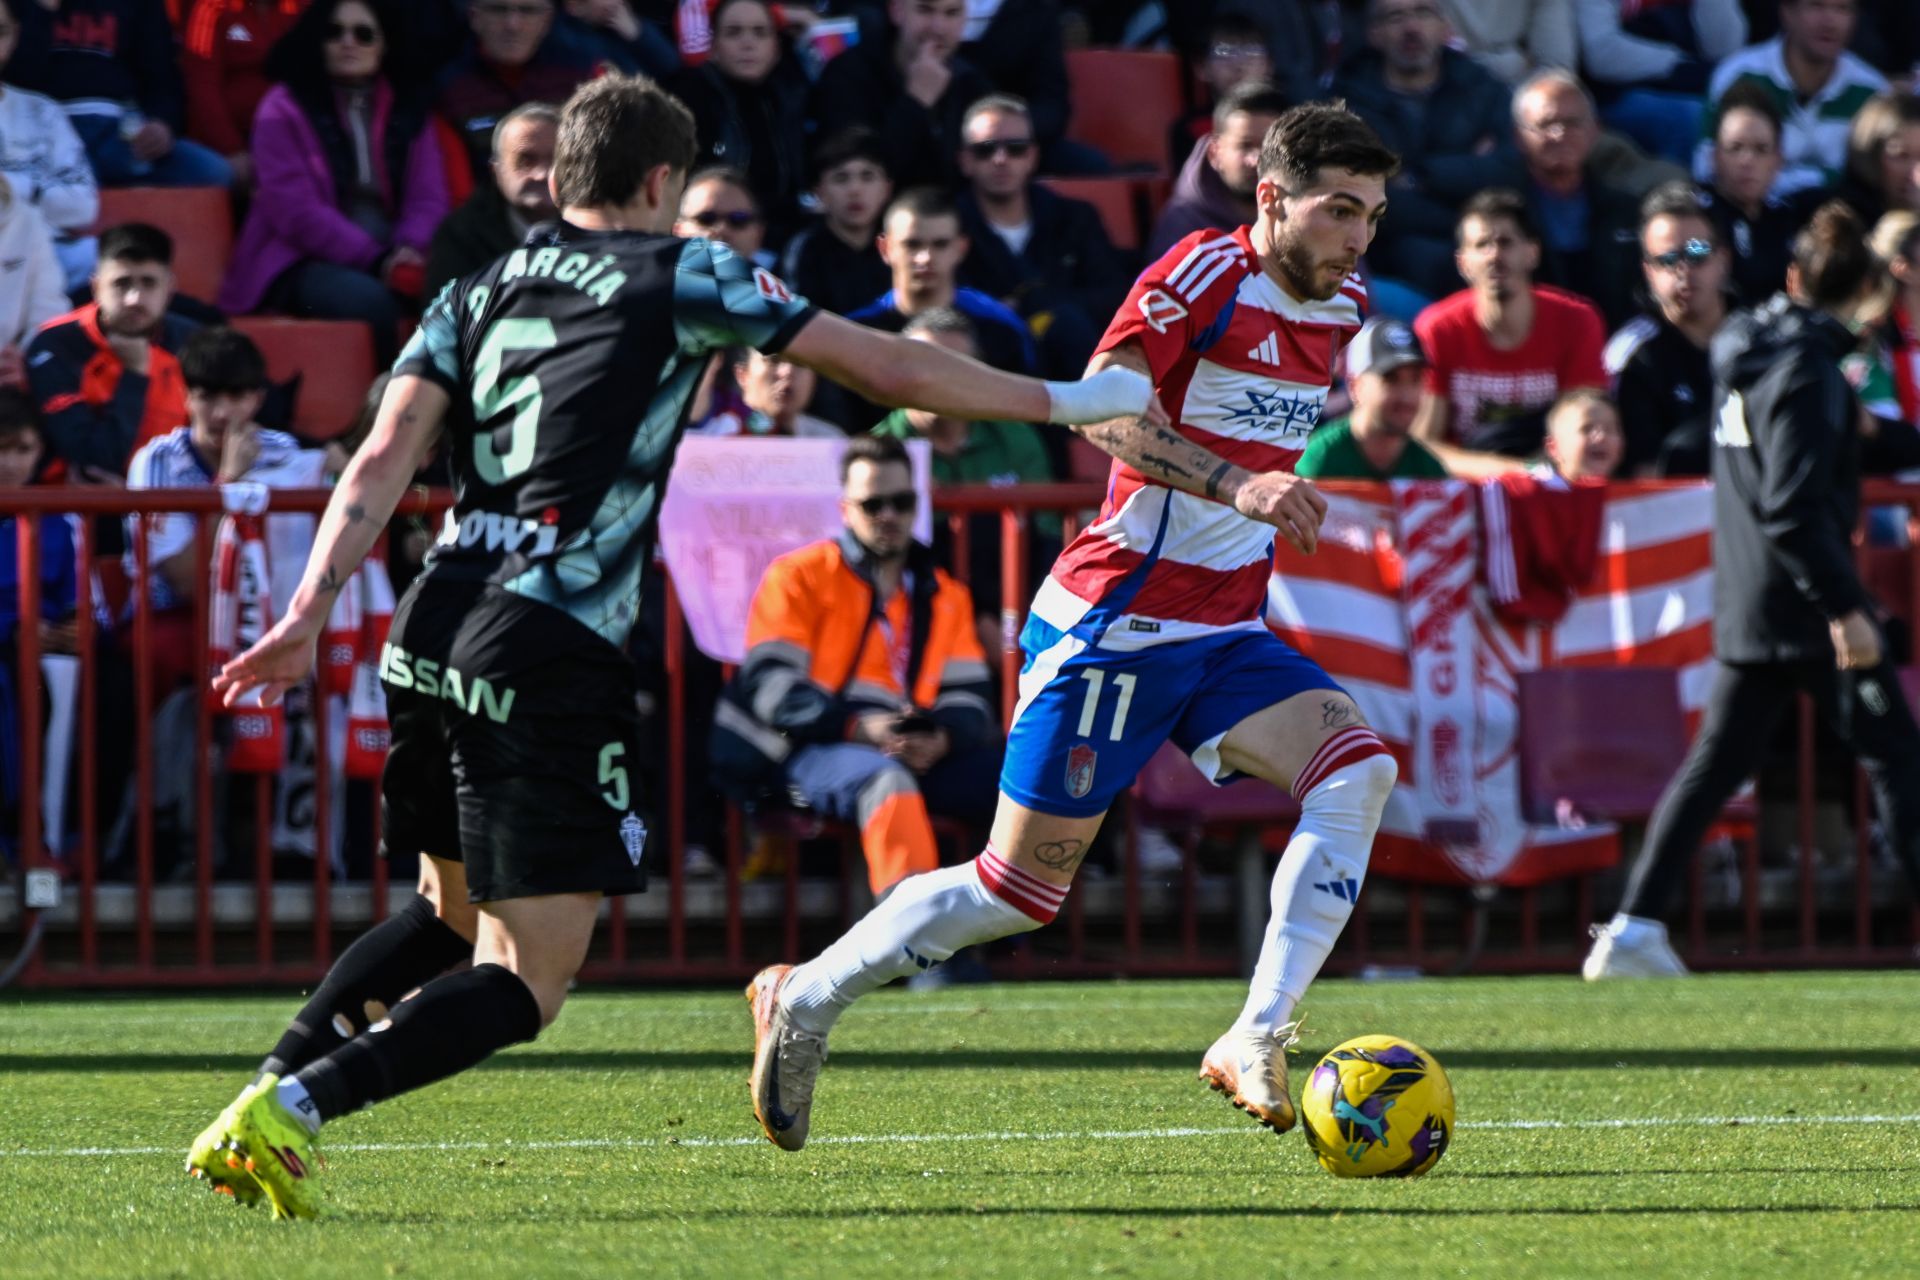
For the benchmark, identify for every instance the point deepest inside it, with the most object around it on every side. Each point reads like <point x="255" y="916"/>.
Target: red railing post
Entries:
<point x="1805" y="799"/>
<point x="33" y="853"/>
<point x="204" y="817"/>
<point x="1013" y="608"/>
<point x="675" y="657"/>
<point x="143" y="740"/>
<point x="88" y="645"/>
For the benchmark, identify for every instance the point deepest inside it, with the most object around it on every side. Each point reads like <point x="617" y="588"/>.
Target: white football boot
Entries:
<point x="786" y="1062"/>
<point x="1250" y="1067"/>
<point x="1631" y="947"/>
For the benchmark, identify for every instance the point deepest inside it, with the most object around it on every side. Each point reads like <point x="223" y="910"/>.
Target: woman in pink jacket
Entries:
<point x="350" y="181"/>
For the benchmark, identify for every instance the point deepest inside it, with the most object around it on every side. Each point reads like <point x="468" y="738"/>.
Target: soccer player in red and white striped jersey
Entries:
<point x="1150" y="629"/>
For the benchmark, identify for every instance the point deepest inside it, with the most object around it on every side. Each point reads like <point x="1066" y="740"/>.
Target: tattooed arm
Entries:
<point x="1285" y="501"/>
<point x="409" y="419"/>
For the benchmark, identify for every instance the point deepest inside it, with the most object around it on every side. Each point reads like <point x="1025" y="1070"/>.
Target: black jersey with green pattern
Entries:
<point x="571" y="363"/>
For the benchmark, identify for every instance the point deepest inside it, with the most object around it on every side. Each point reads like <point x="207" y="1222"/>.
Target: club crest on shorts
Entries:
<point x="1080" y="762"/>
<point x="633" y="834"/>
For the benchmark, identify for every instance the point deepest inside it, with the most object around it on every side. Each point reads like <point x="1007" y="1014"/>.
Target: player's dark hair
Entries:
<point x="615" y="130"/>
<point x="1750" y="95"/>
<point x="1322" y="135"/>
<point x="941" y="320"/>
<point x="221" y="359"/>
<point x="18" y="412"/>
<point x="878" y="450"/>
<point x="1496" y="203"/>
<point x="1675" y="200"/>
<point x="922" y="202"/>
<point x="856" y="142"/>
<point x="1833" y="256"/>
<point x="1254" y="98"/>
<point x="136" y="242"/>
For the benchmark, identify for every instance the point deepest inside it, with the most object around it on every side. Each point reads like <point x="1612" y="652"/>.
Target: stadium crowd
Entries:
<point x="1590" y="188"/>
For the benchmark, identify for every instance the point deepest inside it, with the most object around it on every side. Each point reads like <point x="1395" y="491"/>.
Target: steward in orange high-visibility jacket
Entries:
<point x="822" y="656"/>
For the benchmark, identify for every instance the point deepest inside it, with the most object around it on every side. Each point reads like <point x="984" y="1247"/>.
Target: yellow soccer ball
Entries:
<point x="1377" y="1107"/>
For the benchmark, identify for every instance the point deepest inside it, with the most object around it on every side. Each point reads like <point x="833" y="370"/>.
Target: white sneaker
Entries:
<point x="1251" y="1069"/>
<point x="1631" y="947"/>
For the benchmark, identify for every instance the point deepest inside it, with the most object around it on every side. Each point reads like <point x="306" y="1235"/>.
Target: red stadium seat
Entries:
<point x="1116" y="199"/>
<point x="200" y="220"/>
<point x="1123" y="103"/>
<point x="334" y="359"/>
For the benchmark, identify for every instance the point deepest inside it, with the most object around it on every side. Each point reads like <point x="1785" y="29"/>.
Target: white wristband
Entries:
<point x="1114" y="392"/>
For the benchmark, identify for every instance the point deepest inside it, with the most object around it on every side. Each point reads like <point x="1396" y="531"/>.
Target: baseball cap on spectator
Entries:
<point x="1383" y="345"/>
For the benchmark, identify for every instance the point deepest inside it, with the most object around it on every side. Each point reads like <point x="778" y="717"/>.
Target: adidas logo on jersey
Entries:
<point x="1268" y="352"/>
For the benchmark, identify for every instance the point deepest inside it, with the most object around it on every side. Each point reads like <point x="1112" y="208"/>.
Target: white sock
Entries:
<point x="924" y="920"/>
<point x="1318" y="880"/>
<point x="293" y="1096"/>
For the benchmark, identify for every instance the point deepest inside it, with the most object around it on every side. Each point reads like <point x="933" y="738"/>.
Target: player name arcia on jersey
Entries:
<point x="588" y="274"/>
<point x="498" y="532"/>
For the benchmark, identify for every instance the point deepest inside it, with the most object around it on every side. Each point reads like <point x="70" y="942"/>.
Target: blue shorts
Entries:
<point x="1089" y="719"/>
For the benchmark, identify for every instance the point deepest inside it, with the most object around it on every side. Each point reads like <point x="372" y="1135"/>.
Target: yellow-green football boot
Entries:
<point x="276" y="1148"/>
<point x="214" y="1160"/>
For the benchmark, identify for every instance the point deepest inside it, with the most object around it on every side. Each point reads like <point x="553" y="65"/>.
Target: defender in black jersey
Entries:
<point x="561" y="376"/>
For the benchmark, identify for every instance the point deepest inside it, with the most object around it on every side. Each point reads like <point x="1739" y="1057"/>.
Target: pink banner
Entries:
<point x="733" y="506"/>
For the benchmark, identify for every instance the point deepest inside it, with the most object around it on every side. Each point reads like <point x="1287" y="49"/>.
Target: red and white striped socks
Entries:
<point x="922" y="922"/>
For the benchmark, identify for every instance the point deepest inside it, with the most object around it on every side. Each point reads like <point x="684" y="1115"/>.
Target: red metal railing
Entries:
<point x="202" y="930"/>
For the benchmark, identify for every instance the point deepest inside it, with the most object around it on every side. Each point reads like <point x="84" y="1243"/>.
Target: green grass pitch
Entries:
<point x="1722" y="1126"/>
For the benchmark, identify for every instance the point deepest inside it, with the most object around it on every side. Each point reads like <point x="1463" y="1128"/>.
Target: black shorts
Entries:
<point x="515" y="745"/>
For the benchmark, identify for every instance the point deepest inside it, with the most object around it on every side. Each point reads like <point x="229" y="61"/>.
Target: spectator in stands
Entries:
<point x="1232" y="52"/>
<point x="718" y="204"/>
<point x="1515" y="38"/>
<point x="1584" y="439"/>
<point x="911" y="88"/>
<point x="350" y="182"/>
<point x="1216" y="184"/>
<point x="1385" y="372"/>
<point x="1649" y="64"/>
<point x="772" y="394"/>
<point x="513" y="57"/>
<point x="32" y="290"/>
<point x="226" y="381"/>
<point x="1662" y="378"/>
<point x="1501" y="350"/>
<point x="1883" y="158"/>
<point x="923" y="244"/>
<point x="1045" y="255"/>
<point x="41" y="155"/>
<point x="110" y="64"/>
<point x="977" y="452"/>
<point x="1449" y="120"/>
<point x="1587" y="223"/>
<point x="1755" y="222"/>
<point x="864" y="694"/>
<point x="1303" y="40"/>
<point x="105" y="376"/>
<point x="749" y="103"/>
<point x="496" y="218"/>
<point x="1897" y="240"/>
<point x="224" y="63"/>
<point x="610" y="31"/>
<point x="1817" y="87"/>
<point x="834" y="262"/>
<point x="1017" y="46"/>
<point x="20" y="455"/>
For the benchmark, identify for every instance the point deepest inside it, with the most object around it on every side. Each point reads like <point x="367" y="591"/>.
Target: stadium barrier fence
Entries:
<point x="198" y="926"/>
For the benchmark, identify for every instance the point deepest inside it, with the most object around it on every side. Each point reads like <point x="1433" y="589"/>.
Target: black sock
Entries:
<point x="406" y="949"/>
<point x="454" y="1023"/>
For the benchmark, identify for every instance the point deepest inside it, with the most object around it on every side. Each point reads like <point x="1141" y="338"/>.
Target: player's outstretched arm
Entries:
<point x="1430" y="429"/>
<point x="410" y="416"/>
<point x="896" y="371"/>
<point x="1288" y="502"/>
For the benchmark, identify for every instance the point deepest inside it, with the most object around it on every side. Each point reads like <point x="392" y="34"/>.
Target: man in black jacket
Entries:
<point x="1789" y="613"/>
<point x="497" y="216"/>
<point x="1045" y="255"/>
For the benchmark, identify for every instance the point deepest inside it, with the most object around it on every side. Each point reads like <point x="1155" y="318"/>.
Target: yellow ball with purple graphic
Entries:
<point x="1377" y="1107"/>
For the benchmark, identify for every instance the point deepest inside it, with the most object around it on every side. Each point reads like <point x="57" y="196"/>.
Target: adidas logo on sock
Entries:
<point x="1347" y="890"/>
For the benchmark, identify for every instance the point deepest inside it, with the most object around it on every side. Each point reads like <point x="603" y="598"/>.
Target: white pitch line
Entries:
<point x="1008" y="1135"/>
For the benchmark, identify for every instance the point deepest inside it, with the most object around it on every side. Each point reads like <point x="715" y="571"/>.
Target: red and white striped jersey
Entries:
<point x="1243" y="369"/>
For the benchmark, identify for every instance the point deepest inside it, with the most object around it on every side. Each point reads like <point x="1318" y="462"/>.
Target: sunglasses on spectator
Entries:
<point x="1016" y="148"/>
<point x="901" y="504"/>
<point x="1693" y="253"/>
<point x="358" y="32"/>
<point x="735" y="218"/>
